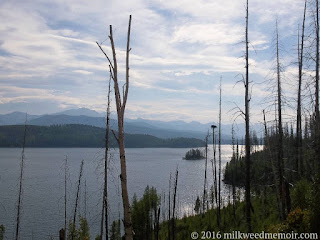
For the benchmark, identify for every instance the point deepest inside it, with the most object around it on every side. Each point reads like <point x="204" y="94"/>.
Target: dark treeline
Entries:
<point x="75" y="135"/>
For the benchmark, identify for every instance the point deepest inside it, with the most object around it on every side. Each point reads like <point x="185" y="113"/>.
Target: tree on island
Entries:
<point x="194" y="154"/>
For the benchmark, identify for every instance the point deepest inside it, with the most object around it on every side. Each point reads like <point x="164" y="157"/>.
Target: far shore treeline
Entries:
<point x="76" y="135"/>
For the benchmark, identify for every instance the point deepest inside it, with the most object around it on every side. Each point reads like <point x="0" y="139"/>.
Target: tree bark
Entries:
<point x="76" y="204"/>
<point x="21" y="181"/>
<point x="121" y="105"/>
<point x="317" y="115"/>
<point x="174" y="207"/>
<point x="299" y="162"/>
<point x="247" y="137"/>
<point x="219" y="176"/>
<point x="205" y="178"/>
<point x="280" y="134"/>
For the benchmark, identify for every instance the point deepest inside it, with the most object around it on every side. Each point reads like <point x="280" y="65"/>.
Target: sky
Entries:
<point x="49" y="61"/>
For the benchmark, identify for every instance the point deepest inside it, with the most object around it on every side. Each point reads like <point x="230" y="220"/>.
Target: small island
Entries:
<point x="194" y="154"/>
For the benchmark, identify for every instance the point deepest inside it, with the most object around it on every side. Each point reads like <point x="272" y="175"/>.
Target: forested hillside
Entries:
<point x="75" y="135"/>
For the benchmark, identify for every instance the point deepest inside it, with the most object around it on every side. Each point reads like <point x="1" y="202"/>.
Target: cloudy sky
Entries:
<point x="180" y="48"/>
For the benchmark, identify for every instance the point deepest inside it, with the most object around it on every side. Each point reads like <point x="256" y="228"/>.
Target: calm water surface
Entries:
<point x="43" y="185"/>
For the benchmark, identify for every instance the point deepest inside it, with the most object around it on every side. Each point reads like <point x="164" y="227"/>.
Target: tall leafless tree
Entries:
<point x="299" y="163"/>
<point x="77" y="202"/>
<point x="317" y="115"/>
<point x="65" y="197"/>
<point x="174" y="206"/>
<point x="21" y="180"/>
<point x="247" y="122"/>
<point x="280" y="164"/>
<point x="104" y="214"/>
<point x="205" y="176"/>
<point x="121" y="105"/>
<point x="169" y="214"/>
<point x="219" y="176"/>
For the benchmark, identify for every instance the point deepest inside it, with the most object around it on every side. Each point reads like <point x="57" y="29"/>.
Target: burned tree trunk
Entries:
<point x="317" y="115"/>
<point x="76" y="204"/>
<point x="104" y="213"/>
<point x="299" y="162"/>
<point x="219" y="176"/>
<point x="174" y="207"/>
<point x="280" y="164"/>
<point x="121" y="105"/>
<point x="65" y="198"/>
<point x="205" y="177"/>
<point x="247" y="137"/>
<point x="21" y="181"/>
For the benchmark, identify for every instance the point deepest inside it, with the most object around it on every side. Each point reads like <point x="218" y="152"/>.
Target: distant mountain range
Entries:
<point x="160" y="129"/>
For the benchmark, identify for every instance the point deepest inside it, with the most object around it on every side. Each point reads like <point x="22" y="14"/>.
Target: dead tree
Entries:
<point x="65" y="197"/>
<point x="173" y="220"/>
<point x="299" y="163"/>
<point x="21" y="180"/>
<point x="76" y="204"/>
<point x="268" y="146"/>
<point x="214" y="162"/>
<point x="104" y="213"/>
<point x="121" y="105"/>
<point x="169" y="214"/>
<point x="247" y="122"/>
<point x="317" y="115"/>
<point x="219" y="176"/>
<point x="280" y="164"/>
<point x="205" y="177"/>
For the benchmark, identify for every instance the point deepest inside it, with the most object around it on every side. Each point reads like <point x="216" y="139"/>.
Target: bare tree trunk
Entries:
<point x="205" y="178"/>
<point x="219" y="177"/>
<point x="174" y="207"/>
<point x="233" y="175"/>
<point x="267" y="145"/>
<point x="76" y="205"/>
<point x="213" y="162"/>
<point x="121" y="105"/>
<point x="21" y="180"/>
<point x="104" y="214"/>
<point x="85" y="199"/>
<point x="299" y="162"/>
<point x="280" y="135"/>
<point x="247" y="137"/>
<point x="65" y="198"/>
<point x="317" y="91"/>
<point x="169" y="217"/>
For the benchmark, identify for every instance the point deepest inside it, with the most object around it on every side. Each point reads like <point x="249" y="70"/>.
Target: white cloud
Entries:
<point x="178" y="47"/>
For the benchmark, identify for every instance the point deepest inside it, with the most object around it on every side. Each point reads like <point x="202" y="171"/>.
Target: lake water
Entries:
<point x="43" y="186"/>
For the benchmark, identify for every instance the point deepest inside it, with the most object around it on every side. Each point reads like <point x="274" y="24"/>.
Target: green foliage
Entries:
<point x="115" y="233"/>
<point x="315" y="206"/>
<point x="194" y="154"/>
<point x="2" y="231"/>
<point x="197" y="206"/>
<point x="301" y="195"/>
<point x="75" y="135"/>
<point x="82" y="233"/>
<point x="145" y="213"/>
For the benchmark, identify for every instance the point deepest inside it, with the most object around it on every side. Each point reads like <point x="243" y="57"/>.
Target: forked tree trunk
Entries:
<point x="121" y="105"/>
